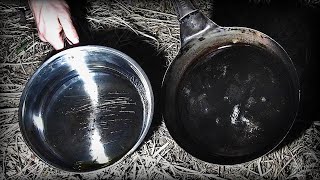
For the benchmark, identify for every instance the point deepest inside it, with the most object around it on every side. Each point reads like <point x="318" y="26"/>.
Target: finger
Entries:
<point x="42" y="38"/>
<point x="52" y="31"/>
<point x="54" y="38"/>
<point x="68" y="28"/>
<point x="56" y="42"/>
<point x="40" y="28"/>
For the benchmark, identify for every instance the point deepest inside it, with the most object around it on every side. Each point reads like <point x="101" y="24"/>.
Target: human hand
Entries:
<point x="53" y="20"/>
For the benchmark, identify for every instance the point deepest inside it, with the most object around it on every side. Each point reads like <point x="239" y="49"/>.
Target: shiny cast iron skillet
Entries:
<point x="86" y="108"/>
<point x="232" y="93"/>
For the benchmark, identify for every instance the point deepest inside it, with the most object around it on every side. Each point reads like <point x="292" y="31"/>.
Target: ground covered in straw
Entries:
<point x="155" y="24"/>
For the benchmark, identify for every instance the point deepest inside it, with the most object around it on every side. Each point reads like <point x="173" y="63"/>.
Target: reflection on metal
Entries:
<point x="38" y="122"/>
<point x="97" y="150"/>
<point x="78" y="63"/>
<point x="235" y="114"/>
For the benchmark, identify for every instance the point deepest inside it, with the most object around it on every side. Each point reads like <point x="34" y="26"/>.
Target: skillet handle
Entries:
<point x="193" y="24"/>
<point x="183" y="8"/>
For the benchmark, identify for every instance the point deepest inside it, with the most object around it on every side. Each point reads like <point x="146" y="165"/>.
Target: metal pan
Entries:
<point x="86" y="108"/>
<point x="232" y="93"/>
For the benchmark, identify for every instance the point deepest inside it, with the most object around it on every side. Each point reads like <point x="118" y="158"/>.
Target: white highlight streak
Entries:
<point x="38" y="122"/>
<point x="235" y="114"/>
<point x="90" y="86"/>
<point x="96" y="147"/>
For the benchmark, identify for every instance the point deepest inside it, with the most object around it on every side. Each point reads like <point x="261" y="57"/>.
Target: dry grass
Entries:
<point x="160" y="157"/>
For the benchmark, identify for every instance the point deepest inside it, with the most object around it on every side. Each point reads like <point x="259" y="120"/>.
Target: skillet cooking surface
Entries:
<point x="85" y="108"/>
<point x="234" y="103"/>
<point x="80" y="130"/>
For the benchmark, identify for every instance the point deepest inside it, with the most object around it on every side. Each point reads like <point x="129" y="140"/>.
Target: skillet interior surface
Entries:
<point x="85" y="109"/>
<point x="235" y="96"/>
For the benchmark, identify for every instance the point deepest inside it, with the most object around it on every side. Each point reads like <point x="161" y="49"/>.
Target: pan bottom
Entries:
<point x="92" y="119"/>
<point x="235" y="102"/>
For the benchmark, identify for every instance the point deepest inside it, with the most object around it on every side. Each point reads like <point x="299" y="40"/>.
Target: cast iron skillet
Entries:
<point x="86" y="108"/>
<point x="232" y="93"/>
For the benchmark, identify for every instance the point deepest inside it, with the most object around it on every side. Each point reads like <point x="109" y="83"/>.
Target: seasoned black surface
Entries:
<point x="292" y="23"/>
<point x="229" y="111"/>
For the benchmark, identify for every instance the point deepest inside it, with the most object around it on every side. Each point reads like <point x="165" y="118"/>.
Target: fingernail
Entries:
<point x="59" y="46"/>
<point x="75" y="40"/>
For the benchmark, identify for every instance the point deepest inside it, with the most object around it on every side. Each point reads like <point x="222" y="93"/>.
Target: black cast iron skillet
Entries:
<point x="232" y="93"/>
